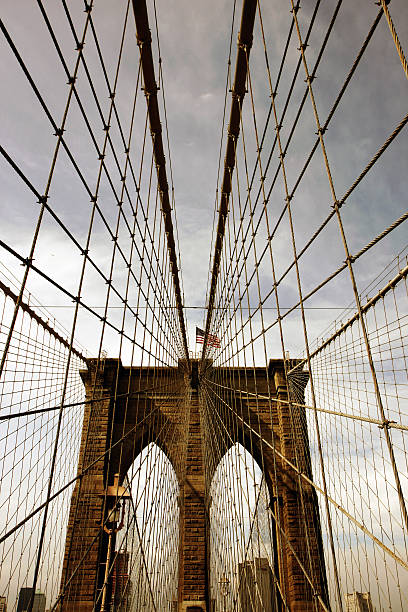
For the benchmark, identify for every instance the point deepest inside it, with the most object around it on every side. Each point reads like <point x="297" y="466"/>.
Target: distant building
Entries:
<point x="121" y="584"/>
<point x="3" y="604"/>
<point x="359" y="602"/>
<point x="24" y="600"/>
<point x="255" y="586"/>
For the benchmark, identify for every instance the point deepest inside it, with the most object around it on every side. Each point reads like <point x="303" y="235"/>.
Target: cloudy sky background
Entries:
<point x="194" y="42"/>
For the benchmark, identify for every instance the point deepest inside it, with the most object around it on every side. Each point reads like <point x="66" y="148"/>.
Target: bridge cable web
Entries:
<point x="43" y="399"/>
<point x="345" y="396"/>
<point x="305" y="458"/>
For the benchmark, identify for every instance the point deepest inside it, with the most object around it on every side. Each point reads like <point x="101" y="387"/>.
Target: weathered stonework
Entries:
<point x="285" y="443"/>
<point x="111" y="424"/>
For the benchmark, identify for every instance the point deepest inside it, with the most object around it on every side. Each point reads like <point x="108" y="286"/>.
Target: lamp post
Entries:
<point x="111" y="527"/>
<point x="112" y="520"/>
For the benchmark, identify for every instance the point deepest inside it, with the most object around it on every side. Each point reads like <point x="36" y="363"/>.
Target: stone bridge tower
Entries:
<point x="118" y="399"/>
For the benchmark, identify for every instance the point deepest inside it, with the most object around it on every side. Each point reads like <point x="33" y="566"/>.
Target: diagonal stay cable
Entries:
<point x="238" y="94"/>
<point x="144" y="40"/>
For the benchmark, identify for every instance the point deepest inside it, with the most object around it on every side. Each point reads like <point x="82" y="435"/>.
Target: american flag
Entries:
<point x="211" y="340"/>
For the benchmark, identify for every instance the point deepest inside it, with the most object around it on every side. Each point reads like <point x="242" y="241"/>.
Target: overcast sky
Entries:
<point x="194" y="43"/>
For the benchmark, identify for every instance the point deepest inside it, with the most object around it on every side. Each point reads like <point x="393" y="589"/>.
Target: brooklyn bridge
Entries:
<point x="203" y="306"/>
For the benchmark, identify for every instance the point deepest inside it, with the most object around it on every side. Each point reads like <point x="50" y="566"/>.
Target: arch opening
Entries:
<point x="144" y="571"/>
<point x="242" y="549"/>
